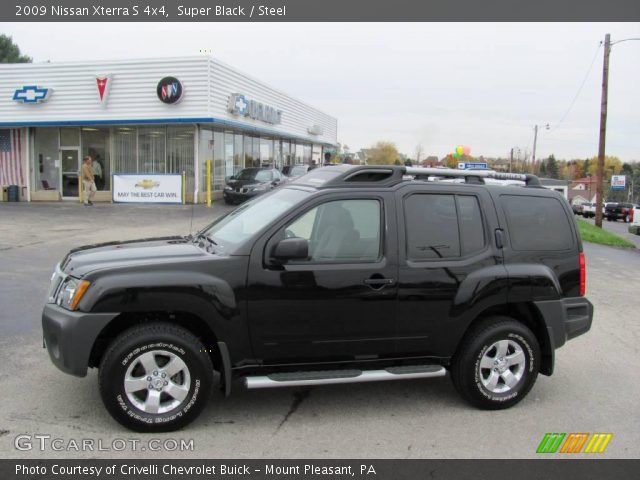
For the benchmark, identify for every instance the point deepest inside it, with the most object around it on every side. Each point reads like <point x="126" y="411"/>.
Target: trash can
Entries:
<point x="14" y="193"/>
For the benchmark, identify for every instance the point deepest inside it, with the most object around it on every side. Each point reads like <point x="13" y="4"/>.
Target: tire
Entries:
<point x="486" y="388"/>
<point x="157" y="346"/>
<point x="228" y="202"/>
<point x="626" y="219"/>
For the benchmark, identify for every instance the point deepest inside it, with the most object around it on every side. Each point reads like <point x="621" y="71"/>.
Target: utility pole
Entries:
<point x="533" y="155"/>
<point x="603" y="129"/>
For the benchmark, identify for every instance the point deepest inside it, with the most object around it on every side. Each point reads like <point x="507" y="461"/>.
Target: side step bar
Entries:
<point x="330" y="377"/>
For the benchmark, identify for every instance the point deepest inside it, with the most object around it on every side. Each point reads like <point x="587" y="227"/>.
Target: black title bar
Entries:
<point x="318" y="10"/>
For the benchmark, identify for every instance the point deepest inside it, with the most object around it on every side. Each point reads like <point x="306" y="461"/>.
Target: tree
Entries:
<point x="543" y="169"/>
<point x="419" y="153"/>
<point x="10" y="52"/>
<point x="552" y="167"/>
<point x="382" y="153"/>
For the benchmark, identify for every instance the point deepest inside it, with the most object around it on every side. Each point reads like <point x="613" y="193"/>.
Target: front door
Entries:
<point x="70" y="172"/>
<point x="339" y="304"/>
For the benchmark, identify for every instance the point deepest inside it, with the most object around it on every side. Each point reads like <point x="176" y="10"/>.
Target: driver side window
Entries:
<point x="340" y="231"/>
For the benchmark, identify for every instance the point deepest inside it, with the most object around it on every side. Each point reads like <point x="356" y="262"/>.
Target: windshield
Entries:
<point x="254" y="174"/>
<point x="232" y="230"/>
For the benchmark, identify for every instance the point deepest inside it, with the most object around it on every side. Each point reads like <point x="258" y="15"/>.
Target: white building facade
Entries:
<point x="151" y="116"/>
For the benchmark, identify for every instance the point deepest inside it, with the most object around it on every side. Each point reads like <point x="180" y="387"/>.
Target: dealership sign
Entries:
<point x="169" y="90"/>
<point x="245" y="107"/>
<point x="31" y="94"/>
<point x="147" y="188"/>
<point x="618" y="182"/>
<point x="103" y="84"/>
<point x="472" y="165"/>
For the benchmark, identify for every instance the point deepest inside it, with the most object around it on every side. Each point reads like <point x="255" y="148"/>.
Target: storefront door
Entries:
<point x="70" y="172"/>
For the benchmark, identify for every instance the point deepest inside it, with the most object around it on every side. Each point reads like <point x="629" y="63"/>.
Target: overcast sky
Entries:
<point x="484" y="85"/>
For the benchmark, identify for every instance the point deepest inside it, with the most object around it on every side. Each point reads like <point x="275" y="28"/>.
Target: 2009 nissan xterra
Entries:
<point x="348" y="274"/>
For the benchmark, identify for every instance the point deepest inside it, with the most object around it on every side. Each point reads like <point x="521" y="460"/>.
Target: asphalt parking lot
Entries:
<point x="595" y="387"/>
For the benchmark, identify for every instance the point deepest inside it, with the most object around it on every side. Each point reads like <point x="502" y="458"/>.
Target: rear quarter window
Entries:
<point x="537" y="223"/>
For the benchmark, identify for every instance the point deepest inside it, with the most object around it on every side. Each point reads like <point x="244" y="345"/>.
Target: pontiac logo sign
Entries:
<point x="169" y="90"/>
<point x="103" y="84"/>
<point x="244" y="107"/>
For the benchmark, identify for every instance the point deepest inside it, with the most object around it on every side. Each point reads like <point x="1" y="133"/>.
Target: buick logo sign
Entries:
<point x="169" y="90"/>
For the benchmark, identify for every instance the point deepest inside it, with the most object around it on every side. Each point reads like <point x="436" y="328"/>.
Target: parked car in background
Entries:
<point x="294" y="171"/>
<point x="589" y="210"/>
<point x="618" y="211"/>
<point x="250" y="183"/>
<point x="634" y="220"/>
<point x="577" y="208"/>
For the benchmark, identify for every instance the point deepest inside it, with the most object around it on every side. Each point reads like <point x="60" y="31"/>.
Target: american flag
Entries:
<point x="10" y="158"/>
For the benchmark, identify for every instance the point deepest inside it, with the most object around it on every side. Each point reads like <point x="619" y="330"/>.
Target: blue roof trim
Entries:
<point x="155" y="121"/>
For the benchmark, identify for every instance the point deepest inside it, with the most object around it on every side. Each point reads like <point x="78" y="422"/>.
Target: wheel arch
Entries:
<point x="191" y="322"/>
<point x="527" y="314"/>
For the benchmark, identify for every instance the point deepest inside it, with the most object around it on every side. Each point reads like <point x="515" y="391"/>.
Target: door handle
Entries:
<point x="379" y="282"/>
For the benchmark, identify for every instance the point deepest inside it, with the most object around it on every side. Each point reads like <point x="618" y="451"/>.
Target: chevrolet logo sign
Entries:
<point x="31" y="94"/>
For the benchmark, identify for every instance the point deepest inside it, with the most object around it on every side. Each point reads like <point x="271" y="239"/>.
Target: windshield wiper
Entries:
<point x="202" y="236"/>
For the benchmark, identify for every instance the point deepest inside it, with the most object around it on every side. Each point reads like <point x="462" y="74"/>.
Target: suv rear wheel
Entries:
<point x="155" y="378"/>
<point x="496" y="364"/>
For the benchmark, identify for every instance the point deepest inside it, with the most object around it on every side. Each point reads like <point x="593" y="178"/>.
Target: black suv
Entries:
<point x="251" y="182"/>
<point x="349" y="274"/>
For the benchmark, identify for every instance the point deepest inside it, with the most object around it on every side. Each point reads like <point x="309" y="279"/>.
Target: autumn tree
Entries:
<point x="383" y="153"/>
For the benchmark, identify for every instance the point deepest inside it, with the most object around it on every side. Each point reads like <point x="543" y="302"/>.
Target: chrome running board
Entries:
<point x="301" y="379"/>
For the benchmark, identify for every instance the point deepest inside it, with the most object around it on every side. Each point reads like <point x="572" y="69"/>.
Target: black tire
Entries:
<point x="125" y="352"/>
<point x="479" y="343"/>
<point x="626" y="219"/>
<point x="227" y="201"/>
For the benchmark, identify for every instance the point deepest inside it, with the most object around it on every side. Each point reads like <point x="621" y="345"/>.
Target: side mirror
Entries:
<point x="291" y="249"/>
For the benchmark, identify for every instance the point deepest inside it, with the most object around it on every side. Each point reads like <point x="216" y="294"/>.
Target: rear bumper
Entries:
<point x="566" y="318"/>
<point x="69" y="336"/>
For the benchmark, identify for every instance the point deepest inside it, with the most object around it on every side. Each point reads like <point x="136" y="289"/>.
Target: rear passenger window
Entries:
<point x="437" y="228"/>
<point x="537" y="223"/>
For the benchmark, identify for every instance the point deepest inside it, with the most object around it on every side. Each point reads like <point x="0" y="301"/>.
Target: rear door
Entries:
<point x="446" y="238"/>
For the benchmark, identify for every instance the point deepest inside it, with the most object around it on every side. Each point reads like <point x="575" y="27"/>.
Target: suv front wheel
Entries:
<point x="155" y="377"/>
<point x="496" y="364"/>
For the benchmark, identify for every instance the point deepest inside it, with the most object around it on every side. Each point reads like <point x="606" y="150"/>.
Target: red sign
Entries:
<point x="103" y="82"/>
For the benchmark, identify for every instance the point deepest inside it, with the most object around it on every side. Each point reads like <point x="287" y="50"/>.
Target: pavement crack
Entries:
<point x="298" y="398"/>
<point x="3" y="432"/>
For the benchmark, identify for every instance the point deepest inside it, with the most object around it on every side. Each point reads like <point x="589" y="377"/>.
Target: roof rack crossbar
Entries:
<point x="528" y="179"/>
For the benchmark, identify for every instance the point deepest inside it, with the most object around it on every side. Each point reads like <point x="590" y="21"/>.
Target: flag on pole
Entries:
<point x="11" y="158"/>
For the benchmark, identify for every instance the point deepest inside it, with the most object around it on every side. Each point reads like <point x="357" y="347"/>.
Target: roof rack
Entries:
<point x="475" y="176"/>
<point x="343" y="175"/>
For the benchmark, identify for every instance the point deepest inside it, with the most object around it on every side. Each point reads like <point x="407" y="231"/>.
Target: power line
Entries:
<point x="579" y="89"/>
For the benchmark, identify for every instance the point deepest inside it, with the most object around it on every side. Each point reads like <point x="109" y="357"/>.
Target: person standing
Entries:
<point x="97" y="173"/>
<point x="88" y="181"/>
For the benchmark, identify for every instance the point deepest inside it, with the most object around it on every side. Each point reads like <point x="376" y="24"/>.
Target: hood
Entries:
<point x="83" y="260"/>
<point x="243" y="183"/>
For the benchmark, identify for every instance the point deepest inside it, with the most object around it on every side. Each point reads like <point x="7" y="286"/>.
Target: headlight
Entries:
<point x="228" y="188"/>
<point x="71" y="292"/>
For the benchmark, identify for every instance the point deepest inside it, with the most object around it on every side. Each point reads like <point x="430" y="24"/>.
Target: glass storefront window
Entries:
<point x="46" y="156"/>
<point x="95" y="143"/>
<point x="69" y="137"/>
<point x="151" y="150"/>
<point x="180" y="152"/>
<point x="266" y="151"/>
<point x="299" y="154"/>
<point x="248" y="151"/>
<point x="125" y="158"/>
<point x="219" y="166"/>
<point x="238" y="156"/>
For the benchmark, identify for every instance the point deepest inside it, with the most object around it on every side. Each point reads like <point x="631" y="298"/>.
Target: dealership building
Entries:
<point x="151" y="117"/>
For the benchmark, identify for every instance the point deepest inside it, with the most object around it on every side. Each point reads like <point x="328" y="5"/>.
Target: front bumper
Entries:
<point x="566" y="318"/>
<point x="237" y="197"/>
<point x="69" y="336"/>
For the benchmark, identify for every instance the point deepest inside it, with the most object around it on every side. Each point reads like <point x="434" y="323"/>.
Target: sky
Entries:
<point x="438" y="85"/>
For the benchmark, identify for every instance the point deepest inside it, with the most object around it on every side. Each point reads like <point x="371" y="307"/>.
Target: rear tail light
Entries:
<point x="583" y="274"/>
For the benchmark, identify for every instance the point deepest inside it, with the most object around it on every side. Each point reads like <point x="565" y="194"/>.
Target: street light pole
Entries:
<point x="535" y="141"/>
